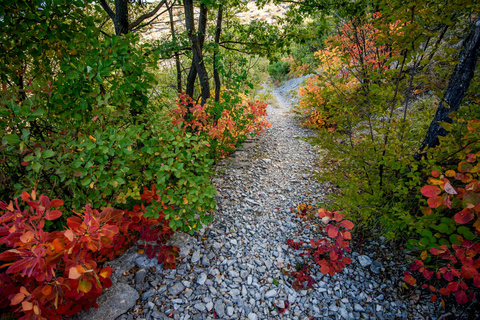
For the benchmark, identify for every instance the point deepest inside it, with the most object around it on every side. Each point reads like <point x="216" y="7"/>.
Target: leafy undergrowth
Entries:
<point x="327" y="252"/>
<point x="50" y="275"/>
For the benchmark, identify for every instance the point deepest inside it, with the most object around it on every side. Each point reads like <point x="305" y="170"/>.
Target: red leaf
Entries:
<point x="347" y="224"/>
<point x="347" y="235"/>
<point x="434" y="251"/>
<point x="107" y="282"/>
<point x="331" y="230"/>
<point x="338" y="217"/>
<point x="53" y="214"/>
<point x="461" y="297"/>
<point x="435" y="202"/>
<point x="324" y="269"/>
<point x="25" y="196"/>
<point x="435" y="173"/>
<point x="476" y="281"/>
<point x="74" y="222"/>
<point x="433" y="298"/>
<point x="464" y="216"/>
<point x="430" y="191"/>
<point x="471" y="157"/>
<point x="444" y="291"/>
<point x="56" y="203"/>
<point x="453" y="286"/>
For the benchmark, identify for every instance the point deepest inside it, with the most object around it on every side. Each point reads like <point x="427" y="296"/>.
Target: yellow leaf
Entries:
<point x="141" y="251"/>
<point x="92" y="138"/>
<point x="424" y="255"/>
<point x="450" y="173"/>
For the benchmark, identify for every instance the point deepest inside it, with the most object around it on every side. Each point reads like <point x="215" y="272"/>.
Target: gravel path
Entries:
<point x="232" y="270"/>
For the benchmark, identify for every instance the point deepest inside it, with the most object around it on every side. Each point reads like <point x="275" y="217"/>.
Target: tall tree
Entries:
<point x="457" y="87"/>
<point x="197" y="44"/>
<point x="120" y="16"/>
<point x="218" y="31"/>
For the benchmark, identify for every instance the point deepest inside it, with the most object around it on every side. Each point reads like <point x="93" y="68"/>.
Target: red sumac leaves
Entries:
<point x="430" y="191"/>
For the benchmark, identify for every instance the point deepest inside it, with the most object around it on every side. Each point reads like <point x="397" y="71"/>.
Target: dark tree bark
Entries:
<point x="457" y="86"/>
<point x="120" y="16"/>
<point x="216" y="75"/>
<point x="177" y="54"/>
<point x="196" y="48"/>
<point x="202" y="27"/>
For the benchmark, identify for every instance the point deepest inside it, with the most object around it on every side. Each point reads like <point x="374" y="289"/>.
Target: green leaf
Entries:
<point x="11" y="139"/>
<point x="36" y="166"/>
<point x="48" y="154"/>
<point x="443" y="228"/>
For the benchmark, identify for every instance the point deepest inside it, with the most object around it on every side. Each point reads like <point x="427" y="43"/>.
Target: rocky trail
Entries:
<point x="233" y="268"/>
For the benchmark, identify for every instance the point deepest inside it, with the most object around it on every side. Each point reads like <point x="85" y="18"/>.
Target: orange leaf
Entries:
<point x="58" y="245"/>
<point x="347" y="224"/>
<point x="10" y="206"/>
<point x="36" y="310"/>
<point x="106" y="272"/>
<point x="435" y="202"/>
<point x="450" y="173"/>
<point x="27" y="305"/>
<point x="17" y="299"/>
<point x="347" y="235"/>
<point x="47" y="290"/>
<point x="410" y="280"/>
<point x="27" y="236"/>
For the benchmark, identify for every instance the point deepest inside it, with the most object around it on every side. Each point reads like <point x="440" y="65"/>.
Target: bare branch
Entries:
<point x="146" y="15"/>
<point x="107" y="9"/>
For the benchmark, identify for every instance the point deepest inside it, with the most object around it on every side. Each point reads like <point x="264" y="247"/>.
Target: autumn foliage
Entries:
<point x="223" y="126"/>
<point x="450" y="260"/>
<point x="49" y="275"/>
<point x="326" y="252"/>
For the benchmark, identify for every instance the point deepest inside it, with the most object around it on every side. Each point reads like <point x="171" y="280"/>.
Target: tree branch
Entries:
<point x="146" y="15"/>
<point x="107" y="9"/>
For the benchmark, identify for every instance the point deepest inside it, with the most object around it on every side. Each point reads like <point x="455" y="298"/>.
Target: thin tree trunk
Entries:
<point x="177" y="54"/>
<point x="216" y="75"/>
<point x="202" y="27"/>
<point x="457" y="87"/>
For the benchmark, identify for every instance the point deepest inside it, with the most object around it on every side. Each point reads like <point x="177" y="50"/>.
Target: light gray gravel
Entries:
<point x="234" y="267"/>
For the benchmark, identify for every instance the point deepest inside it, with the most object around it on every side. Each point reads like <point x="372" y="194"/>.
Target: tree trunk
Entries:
<point x="457" y="87"/>
<point x="121" y="17"/>
<point x="198" y="66"/>
<point x="216" y="75"/>
<point x="177" y="54"/>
